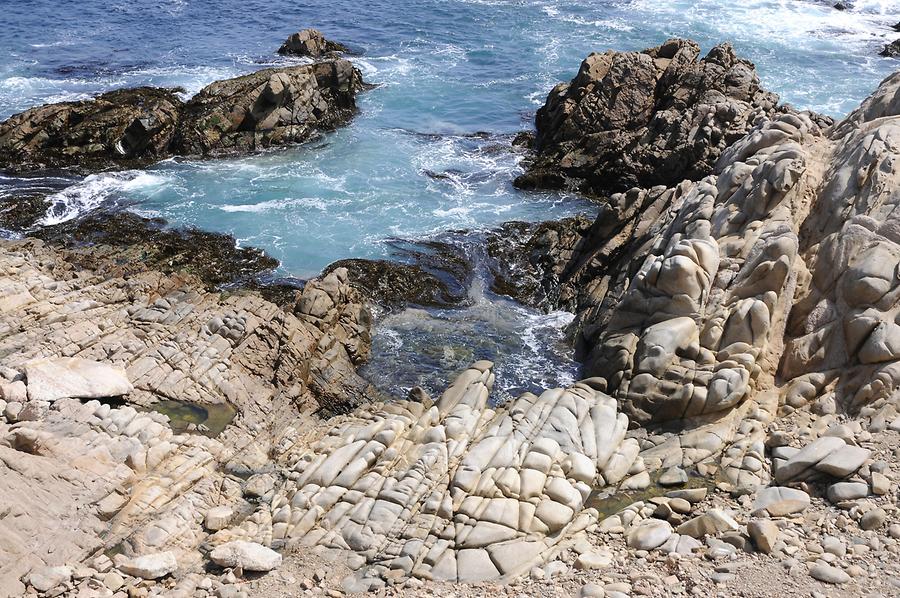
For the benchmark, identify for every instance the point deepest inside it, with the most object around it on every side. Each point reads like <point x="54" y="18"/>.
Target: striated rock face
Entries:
<point x="645" y="118"/>
<point x="268" y="108"/>
<point x="126" y="128"/>
<point x="134" y="127"/>
<point x="309" y="42"/>
<point x="452" y="489"/>
<point x="83" y="477"/>
<point x="774" y="279"/>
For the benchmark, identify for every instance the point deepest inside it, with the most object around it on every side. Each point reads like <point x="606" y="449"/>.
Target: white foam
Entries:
<point x="276" y="204"/>
<point x="95" y="190"/>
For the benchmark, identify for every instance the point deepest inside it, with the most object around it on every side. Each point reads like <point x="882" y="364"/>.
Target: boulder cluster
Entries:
<point x="130" y="128"/>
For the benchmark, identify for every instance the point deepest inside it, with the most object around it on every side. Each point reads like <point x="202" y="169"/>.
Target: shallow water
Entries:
<point x="447" y="70"/>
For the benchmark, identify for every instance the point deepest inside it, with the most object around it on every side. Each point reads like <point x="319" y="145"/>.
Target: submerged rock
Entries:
<point x="123" y="242"/>
<point x="395" y="284"/>
<point x="645" y="118"/>
<point x="310" y="42"/>
<point x="131" y="128"/>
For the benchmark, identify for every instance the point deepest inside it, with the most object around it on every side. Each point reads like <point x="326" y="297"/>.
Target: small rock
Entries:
<point x="591" y="590"/>
<point x="873" y="519"/>
<point x="847" y="491"/>
<point x="593" y="560"/>
<point x="881" y="484"/>
<point x="778" y="501"/>
<point x="674" y="476"/>
<point x="710" y="523"/>
<point x="150" y="566"/>
<point x="764" y="533"/>
<point x="218" y="518"/>
<point x="113" y="581"/>
<point x="828" y="574"/>
<point x="648" y="534"/>
<point x="249" y="556"/>
<point x="45" y="579"/>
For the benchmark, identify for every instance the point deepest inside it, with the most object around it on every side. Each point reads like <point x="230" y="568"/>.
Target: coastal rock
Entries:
<point x="645" y="118"/>
<point x="891" y="50"/>
<point x="123" y="128"/>
<point x="52" y="379"/>
<point x="249" y="556"/>
<point x="131" y="128"/>
<point x="395" y="284"/>
<point x="309" y="42"/>
<point x="267" y="108"/>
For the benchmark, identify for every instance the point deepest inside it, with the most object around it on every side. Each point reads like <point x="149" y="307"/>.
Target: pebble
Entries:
<point x="828" y="574"/>
<point x="873" y="519"/>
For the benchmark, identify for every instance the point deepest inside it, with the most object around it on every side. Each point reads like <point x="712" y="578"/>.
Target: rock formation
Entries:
<point x="267" y="108"/>
<point x="644" y="118"/>
<point x="134" y="127"/>
<point x="739" y="423"/>
<point x="770" y="281"/>
<point x="310" y="42"/>
<point x="127" y="127"/>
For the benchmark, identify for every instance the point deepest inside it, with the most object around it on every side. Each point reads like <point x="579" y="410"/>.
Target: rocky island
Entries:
<point x="735" y="430"/>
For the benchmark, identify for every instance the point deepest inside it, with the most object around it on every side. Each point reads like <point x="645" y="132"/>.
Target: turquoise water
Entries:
<point x="456" y="80"/>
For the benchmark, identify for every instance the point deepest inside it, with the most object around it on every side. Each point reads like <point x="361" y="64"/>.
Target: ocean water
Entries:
<point x="428" y="152"/>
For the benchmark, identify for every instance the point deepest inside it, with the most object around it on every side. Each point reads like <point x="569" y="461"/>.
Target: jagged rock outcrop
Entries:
<point x="644" y="118"/>
<point x="126" y="128"/>
<point x="773" y="281"/>
<point x="268" y="108"/>
<point x="310" y="42"/>
<point x="130" y="128"/>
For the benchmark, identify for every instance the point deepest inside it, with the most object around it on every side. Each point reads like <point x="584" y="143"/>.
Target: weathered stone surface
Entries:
<point x="828" y="574"/>
<point x="249" y="556"/>
<point x="764" y="533"/>
<point x="778" y="501"/>
<point x="645" y="118"/>
<point x="123" y="128"/>
<point x="267" y="108"/>
<point x="309" y="42"/>
<point x="74" y="378"/>
<point x="150" y="566"/>
<point x="134" y="127"/>
<point x="648" y="534"/>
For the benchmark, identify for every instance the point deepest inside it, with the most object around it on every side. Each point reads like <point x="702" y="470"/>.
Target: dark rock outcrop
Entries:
<point x="644" y="118"/>
<point x="135" y="244"/>
<point x="310" y="42"/>
<point x="131" y="128"/>
<point x="268" y="108"/>
<point x="891" y="50"/>
<point x="394" y="284"/>
<point x="123" y="128"/>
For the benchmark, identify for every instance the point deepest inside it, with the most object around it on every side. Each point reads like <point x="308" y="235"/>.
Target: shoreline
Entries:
<point x="740" y="418"/>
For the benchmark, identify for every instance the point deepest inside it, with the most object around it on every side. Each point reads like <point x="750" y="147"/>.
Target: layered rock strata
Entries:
<point x="134" y="127"/>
